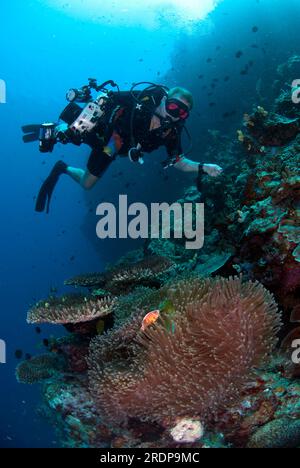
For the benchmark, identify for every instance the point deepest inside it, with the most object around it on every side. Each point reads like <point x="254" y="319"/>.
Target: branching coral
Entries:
<point x="225" y="329"/>
<point x="72" y="309"/>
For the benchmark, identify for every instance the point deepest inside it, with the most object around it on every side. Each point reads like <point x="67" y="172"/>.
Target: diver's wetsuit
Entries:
<point x="121" y="133"/>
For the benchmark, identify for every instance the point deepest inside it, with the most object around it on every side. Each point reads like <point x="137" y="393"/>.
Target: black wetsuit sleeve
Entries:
<point x="174" y="144"/>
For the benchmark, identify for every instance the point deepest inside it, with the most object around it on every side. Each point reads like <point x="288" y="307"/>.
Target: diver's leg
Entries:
<point x="82" y="177"/>
<point x="98" y="163"/>
<point x="75" y="173"/>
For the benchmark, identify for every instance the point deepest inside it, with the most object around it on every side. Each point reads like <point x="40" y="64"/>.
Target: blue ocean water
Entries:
<point x="48" y="47"/>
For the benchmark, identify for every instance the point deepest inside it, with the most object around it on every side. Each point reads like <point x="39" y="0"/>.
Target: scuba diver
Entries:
<point x="127" y="123"/>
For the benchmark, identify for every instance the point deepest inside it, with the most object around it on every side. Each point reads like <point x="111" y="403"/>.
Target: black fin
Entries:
<point x="32" y="133"/>
<point x="47" y="189"/>
<point x="33" y="128"/>
<point x="30" y="138"/>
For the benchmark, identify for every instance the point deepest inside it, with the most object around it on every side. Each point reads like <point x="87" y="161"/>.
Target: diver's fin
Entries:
<point x="47" y="189"/>
<point x="31" y="137"/>
<point x="33" y="128"/>
<point x="31" y="133"/>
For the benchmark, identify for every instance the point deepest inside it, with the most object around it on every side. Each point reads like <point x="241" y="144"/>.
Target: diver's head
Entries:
<point x="178" y="104"/>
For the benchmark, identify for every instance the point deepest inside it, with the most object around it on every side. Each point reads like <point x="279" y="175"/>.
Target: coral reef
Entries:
<point x="122" y="278"/>
<point x="269" y="247"/>
<point x="165" y="368"/>
<point x="39" y="368"/>
<point x="141" y="298"/>
<point x="204" y="372"/>
<point x="195" y="368"/>
<point x="281" y="433"/>
<point x="90" y="280"/>
<point x="72" y="309"/>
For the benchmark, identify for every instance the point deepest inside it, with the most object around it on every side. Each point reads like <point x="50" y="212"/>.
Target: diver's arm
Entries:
<point x="186" y="165"/>
<point x="175" y="152"/>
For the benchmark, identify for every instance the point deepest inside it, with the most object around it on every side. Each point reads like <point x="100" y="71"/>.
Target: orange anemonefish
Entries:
<point x="149" y="319"/>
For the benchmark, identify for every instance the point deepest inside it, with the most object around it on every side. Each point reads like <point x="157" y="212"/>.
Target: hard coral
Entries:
<point x="39" y="368"/>
<point x="124" y="277"/>
<point x="72" y="309"/>
<point x="197" y="367"/>
<point x="147" y="271"/>
<point x="90" y="280"/>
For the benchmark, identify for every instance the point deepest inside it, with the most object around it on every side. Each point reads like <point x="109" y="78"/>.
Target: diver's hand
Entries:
<point x="212" y="170"/>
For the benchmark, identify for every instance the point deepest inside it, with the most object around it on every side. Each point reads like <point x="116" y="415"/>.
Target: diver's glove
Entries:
<point x="47" y="189"/>
<point x="213" y="170"/>
<point x="61" y="133"/>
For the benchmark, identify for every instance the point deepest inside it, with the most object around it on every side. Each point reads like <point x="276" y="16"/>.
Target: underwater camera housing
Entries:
<point x="80" y="121"/>
<point x="47" y="137"/>
<point x="83" y="120"/>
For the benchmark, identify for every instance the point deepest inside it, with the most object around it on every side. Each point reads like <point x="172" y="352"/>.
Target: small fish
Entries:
<point x="149" y="319"/>
<point x="19" y="354"/>
<point x="168" y="311"/>
<point x="167" y="307"/>
<point x="255" y="29"/>
<point x="46" y="343"/>
<point x="38" y="330"/>
<point x="28" y="356"/>
<point x="239" y="54"/>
